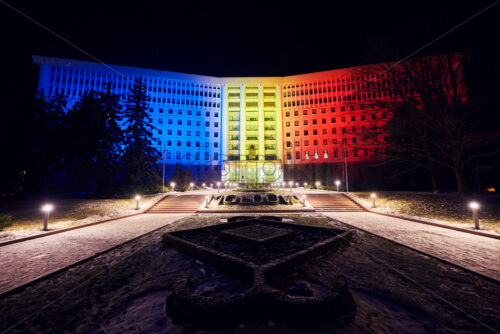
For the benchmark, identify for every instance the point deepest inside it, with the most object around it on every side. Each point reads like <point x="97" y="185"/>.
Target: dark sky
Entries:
<point x="240" y="39"/>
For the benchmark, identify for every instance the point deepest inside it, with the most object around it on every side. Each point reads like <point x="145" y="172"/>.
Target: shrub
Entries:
<point x="5" y="221"/>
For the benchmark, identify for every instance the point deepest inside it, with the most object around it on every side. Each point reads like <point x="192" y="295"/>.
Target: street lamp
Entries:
<point x="47" y="209"/>
<point x="373" y="196"/>
<point x="206" y="201"/>
<point x="345" y="166"/>
<point x="317" y="184"/>
<point x="337" y="183"/>
<point x="191" y="185"/>
<point x="218" y="186"/>
<point x="163" y="176"/>
<point x="474" y="206"/>
<point x="303" y="200"/>
<point x="172" y="185"/>
<point x="290" y="184"/>
<point x="137" y="198"/>
<point x="305" y="185"/>
<point x="204" y="185"/>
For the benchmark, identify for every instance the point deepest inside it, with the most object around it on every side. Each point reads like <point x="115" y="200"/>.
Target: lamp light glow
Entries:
<point x="47" y="208"/>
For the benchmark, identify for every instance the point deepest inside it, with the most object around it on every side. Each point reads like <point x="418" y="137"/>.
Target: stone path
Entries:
<point x="474" y="252"/>
<point x="26" y="261"/>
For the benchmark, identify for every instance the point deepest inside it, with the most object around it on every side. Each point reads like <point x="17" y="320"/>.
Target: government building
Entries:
<point x="241" y="129"/>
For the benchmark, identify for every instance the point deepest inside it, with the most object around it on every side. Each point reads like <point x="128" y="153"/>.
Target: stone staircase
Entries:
<point x="333" y="203"/>
<point x="178" y="204"/>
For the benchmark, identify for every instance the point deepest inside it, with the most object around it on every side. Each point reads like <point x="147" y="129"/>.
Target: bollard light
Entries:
<point x="211" y="185"/>
<point x="317" y="184"/>
<point x="297" y="184"/>
<point x="303" y="200"/>
<point x="373" y="196"/>
<point x="172" y="185"/>
<point x="475" y="206"/>
<point x="290" y="183"/>
<point x="218" y="186"/>
<point x="191" y="185"/>
<point x="206" y="201"/>
<point x="305" y="184"/>
<point x="337" y="183"/>
<point x="47" y="209"/>
<point x="204" y="185"/>
<point x="137" y="198"/>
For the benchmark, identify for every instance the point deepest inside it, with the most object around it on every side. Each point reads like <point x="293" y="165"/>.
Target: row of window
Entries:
<point x="188" y="122"/>
<point x="188" y="143"/>
<point x="180" y="155"/>
<point x="188" y="112"/>
<point x="324" y="131"/>
<point x="332" y="120"/>
<point x="315" y="142"/>
<point x="188" y="133"/>
<point x="356" y="152"/>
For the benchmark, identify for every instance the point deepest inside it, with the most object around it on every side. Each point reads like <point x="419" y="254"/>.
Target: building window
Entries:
<point x="160" y="120"/>
<point x="297" y="155"/>
<point x="306" y="132"/>
<point x="287" y="124"/>
<point x="353" y="118"/>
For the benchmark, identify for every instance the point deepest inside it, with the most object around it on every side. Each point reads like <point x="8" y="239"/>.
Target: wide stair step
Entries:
<point x="333" y="203"/>
<point x="178" y="204"/>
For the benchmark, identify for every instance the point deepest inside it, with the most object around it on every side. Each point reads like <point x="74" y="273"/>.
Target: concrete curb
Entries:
<point x="10" y="242"/>
<point x="416" y="220"/>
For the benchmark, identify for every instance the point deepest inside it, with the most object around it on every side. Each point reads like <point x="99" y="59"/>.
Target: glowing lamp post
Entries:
<point x="191" y="185"/>
<point x="47" y="209"/>
<point x="303" y="200"/>
<point x="206" y="201"/>
<point x="305" y="185"/>
<point x="218" y="186"/>
<point x="137" y="198"/>
<point x="474" y="206"/>
<point x="317" y="184"/>
<point x="337" y="183"/>
<point x="172" y="185"/>
<point x="204" y="185"/>
<point x="290" y="184"/>
<point x="373" y="196"/>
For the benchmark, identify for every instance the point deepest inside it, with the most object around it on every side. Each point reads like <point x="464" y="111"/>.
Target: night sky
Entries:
<point x="241" y="39"/>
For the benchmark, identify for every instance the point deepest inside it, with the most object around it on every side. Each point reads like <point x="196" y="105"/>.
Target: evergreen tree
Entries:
<point x="109" y="149"/>
<point x="139" y="161"/>
<point x="46" y="157"/>
<point x="86" y="125"/>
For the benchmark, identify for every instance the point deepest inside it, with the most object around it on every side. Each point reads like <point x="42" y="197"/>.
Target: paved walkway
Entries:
<point x="26" y="261"/>
<point x="474" y="252"/>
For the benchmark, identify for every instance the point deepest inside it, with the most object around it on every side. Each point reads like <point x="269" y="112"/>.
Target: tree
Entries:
<point x="426" y="117"/>
<point x="86" y="126"/>
<point x="139" y="161"/>
<point x="110" y="148"/>
<point x="46" y="156"/>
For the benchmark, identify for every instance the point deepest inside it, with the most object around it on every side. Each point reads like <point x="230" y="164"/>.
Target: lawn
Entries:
<point x="443" y="207"/>
<point x="26" y="214"/>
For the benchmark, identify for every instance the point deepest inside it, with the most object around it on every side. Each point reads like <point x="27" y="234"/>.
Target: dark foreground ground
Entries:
<point x="123" y="291"/>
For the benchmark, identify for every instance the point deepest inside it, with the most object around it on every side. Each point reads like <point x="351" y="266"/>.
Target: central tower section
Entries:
<point x="252" y="110"/>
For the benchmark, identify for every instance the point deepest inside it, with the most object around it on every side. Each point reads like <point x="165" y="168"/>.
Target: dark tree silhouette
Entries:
<point x="425" y="117"/>
<point x="139" y="161"/>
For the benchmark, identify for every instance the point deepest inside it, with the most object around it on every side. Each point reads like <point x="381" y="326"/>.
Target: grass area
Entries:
<point x="446" y="207"/>
<point x="123" y="291"/>
<point x="26" y="214"/>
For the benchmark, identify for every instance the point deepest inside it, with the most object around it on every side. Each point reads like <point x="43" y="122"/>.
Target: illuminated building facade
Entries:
<point x="245" y="130"/>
